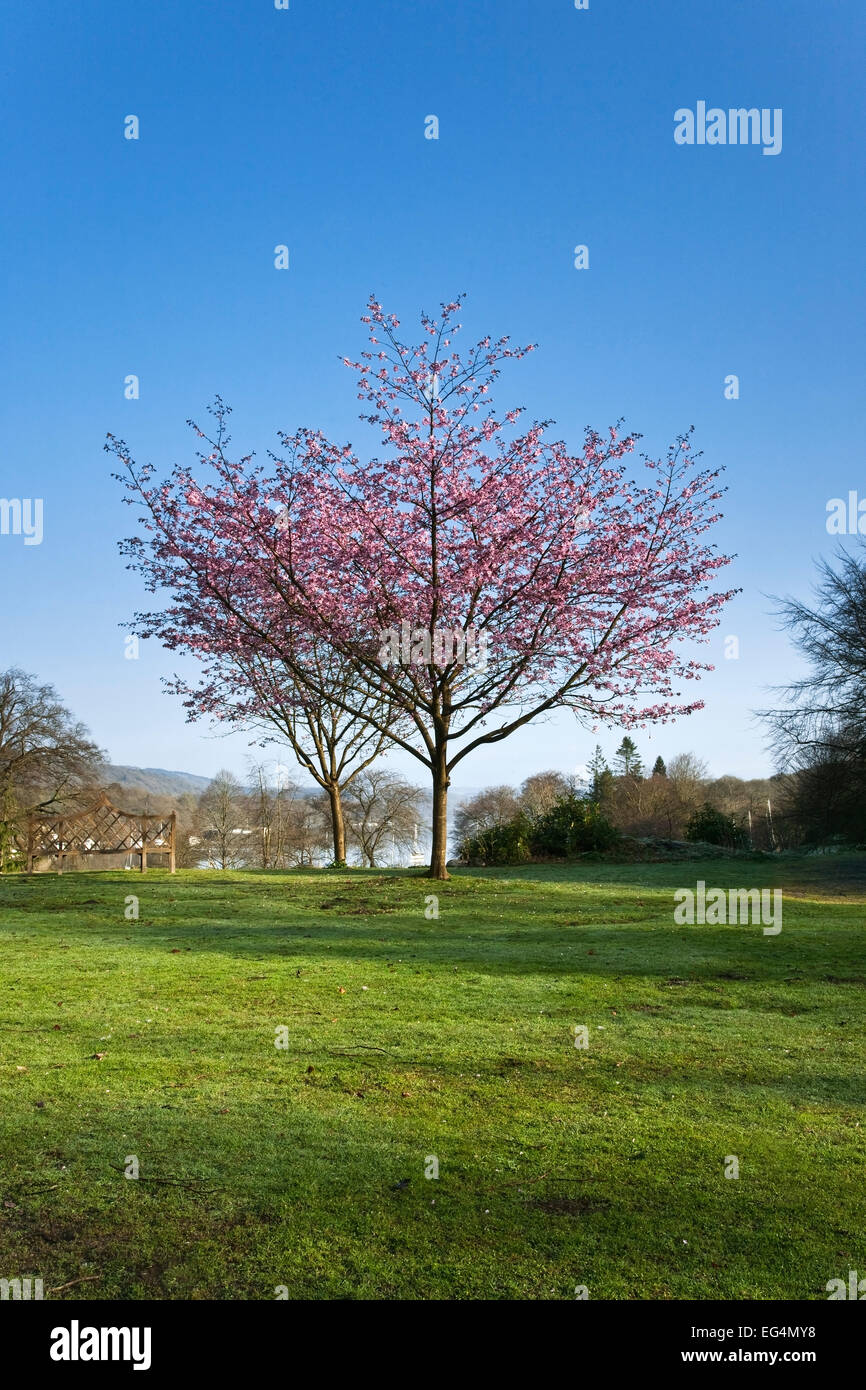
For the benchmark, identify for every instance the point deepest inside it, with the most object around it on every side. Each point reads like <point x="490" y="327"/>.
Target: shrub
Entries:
<point x="499" y="844"/>
<point x="572" y="826"/>
<point x="715" y="828"/>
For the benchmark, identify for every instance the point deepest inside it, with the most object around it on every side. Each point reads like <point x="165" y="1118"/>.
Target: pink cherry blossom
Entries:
<point x="584" y="581"/>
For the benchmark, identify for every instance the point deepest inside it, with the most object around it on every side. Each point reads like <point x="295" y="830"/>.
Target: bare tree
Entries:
<point x="380" y="806"/>
<point x="223" y="815"/>
<point x="292" y="827"/>
<point x="311" y="829"/>
<point x="539" y="792"/>
<point x="826" y="712"/>
<point x="188" y="852"/>
<point x="271" y="806"/>
<point x="47" y="758"/>
<point x="490" y="807"/>
<point x="682" y="791"/>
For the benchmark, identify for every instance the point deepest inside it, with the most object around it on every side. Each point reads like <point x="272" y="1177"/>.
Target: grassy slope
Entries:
<point x="454" y="1037"/>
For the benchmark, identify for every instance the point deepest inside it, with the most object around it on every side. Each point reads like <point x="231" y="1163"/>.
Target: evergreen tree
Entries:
<point x="659" y="769"/>
<point x="628" y="763"/>
<point x="600" y="776"/>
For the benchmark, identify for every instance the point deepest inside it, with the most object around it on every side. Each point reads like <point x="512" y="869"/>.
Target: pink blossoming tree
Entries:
<point x="475" y="576"/>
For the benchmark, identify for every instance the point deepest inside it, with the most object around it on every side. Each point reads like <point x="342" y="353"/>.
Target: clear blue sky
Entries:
<point x="306" y="127"/>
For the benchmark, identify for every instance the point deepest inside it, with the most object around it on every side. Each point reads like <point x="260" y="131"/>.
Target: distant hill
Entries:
<point x="159" y="781"/>
<point x="156" y="781"/>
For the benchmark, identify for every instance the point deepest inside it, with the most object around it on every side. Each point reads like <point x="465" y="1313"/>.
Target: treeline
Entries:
<point x="679" y="800"/>
<point x="819" y="805"/>
<point x="552" y="816"/>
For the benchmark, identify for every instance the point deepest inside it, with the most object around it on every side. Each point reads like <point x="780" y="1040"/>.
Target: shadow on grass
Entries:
<point x="487" y="924"/>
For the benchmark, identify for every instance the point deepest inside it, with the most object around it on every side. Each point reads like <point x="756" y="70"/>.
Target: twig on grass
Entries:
<point x="85" y="1279"/>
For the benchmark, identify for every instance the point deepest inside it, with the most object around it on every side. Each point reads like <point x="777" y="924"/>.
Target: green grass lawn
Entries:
<point x="304" y="1166"/>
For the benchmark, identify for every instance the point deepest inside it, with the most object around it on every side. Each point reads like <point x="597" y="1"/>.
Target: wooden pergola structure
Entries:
<point x="102" y="829"/>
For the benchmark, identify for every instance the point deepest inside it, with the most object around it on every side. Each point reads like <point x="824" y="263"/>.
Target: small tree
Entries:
<point x="224" y="814"/>
<point x="687" y="778"/>
<point x="304" y="705"/>
<point x="188" y="855"/>
<point x="601" y="787"/>
<point x="659" y="769"/>
<point x="310" y="829"/>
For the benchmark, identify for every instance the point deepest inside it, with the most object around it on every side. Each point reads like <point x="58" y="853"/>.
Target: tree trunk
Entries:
<point x="439" y="848"/>
<point x="338" y="825"/>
